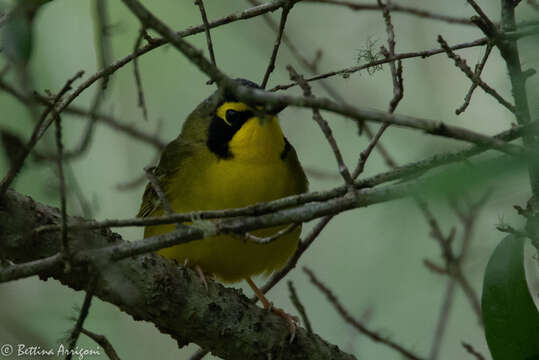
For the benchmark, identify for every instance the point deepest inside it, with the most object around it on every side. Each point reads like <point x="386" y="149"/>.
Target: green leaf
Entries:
<point x="509" y="313"/>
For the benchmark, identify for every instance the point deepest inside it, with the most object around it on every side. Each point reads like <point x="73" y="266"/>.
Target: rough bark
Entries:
<point x="151" y="288"/>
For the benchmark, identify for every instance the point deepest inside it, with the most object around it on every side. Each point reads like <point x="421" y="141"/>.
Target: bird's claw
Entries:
<point x="293" y="321"/>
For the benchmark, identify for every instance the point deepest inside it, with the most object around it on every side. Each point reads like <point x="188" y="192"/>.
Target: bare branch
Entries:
<point x="477" y="73"/>
<point x="83" y="314"/>
<point x="102" y="341"/>
<point x="470" y="349"/>
<point x="268" y="239"/>
<point x="374" y="336"/>
<point x="38" y="132"/>
<point x="401" y="56"/>
<point x="287" y="6"/>
<point x="364" y="155"/>
<point x="309" y="64"/>
<point x="63" y="211"/>
<point x="453" y="265"/>
<point x="396" y="8"/>
<point x="200" y="5"/>
<point x="481" y="14"/>
<point x="398" y="92"/>
<point x="155" y="289"/>
<point x="324" y="126"/>
<point x="292" y="262"/>
<point x="155" y="43"/>
<point x="299" y="306"/>
<point x="136" y="72"/>
<point x="80" y="112"/>
<point x="461" y="64"/>
<point x="272" y="101"/>
<point x="443" y="317"/>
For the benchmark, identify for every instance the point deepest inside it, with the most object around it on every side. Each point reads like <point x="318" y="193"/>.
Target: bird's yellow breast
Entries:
<point x="255" y="173"/>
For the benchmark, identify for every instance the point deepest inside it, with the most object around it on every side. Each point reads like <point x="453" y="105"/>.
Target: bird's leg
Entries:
<point x="292" y="320"/>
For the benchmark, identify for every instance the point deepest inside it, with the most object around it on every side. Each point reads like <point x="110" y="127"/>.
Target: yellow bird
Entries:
<point x="226" y="157"/>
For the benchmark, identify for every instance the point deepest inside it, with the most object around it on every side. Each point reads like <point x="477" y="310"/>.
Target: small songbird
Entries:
<point x="227" y="156"/>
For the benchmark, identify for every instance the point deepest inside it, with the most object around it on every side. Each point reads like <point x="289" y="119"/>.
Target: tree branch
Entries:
<point x="151" y="288"/>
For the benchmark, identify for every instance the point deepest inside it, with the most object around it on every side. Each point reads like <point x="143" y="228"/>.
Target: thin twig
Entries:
<point x="269" y="239"/>
<point x="103" y="60"/>
<point x="364" y="155"/>
<point x="200" y="5"/>
<point x="292" y="262"/>
<point x="287" y="6"/>
<point x="374" y="336"/>
<point x="470" y="349"/>
<point x="398" y="93"/>
<point x="155" y="43"/>
<point x="396" y="71"/>
<point x="308" y="64"/>
<point x="83" y="314"/>
<point x="312" y="66"/>
<point x="481" y="14"/>
<point x="443" y="317"/>
<point x="396" y="8"/>
<point x="324" y="126"/>
<point x="80" y="112"/>
<point x="452" y="264"/>
<point x="410" y="55"/>
<point x="478" y="70"/>
<point x="102" y="341"/>
<point x="63" y="211"/>
<point x="38" y="132"/>
<point x="299" y="307"/>
<point x="138" y="78"/>
<point x="461" y="64"/>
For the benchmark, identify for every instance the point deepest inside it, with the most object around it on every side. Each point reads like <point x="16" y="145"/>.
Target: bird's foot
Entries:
<point x="293" y="321"/>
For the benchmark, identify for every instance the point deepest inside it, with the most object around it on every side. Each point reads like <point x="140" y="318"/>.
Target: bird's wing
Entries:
<point x="290" y="157"/>
<point x="172" y="157"/>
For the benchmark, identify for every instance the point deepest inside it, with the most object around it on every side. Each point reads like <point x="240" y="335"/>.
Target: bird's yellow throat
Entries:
<point x="258" y="140"/>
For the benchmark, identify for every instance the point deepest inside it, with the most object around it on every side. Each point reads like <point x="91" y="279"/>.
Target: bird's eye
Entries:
<point x="233" y="117"/>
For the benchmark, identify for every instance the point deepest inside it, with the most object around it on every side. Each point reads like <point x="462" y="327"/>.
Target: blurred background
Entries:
<point x="372" y="258"/>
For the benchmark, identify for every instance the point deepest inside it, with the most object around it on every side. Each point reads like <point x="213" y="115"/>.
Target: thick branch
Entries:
<point x="150" y="288"/>
<point x="509" y="51"/>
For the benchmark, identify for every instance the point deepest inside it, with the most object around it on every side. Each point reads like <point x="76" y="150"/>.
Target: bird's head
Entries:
<point x="236" y="130"/>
